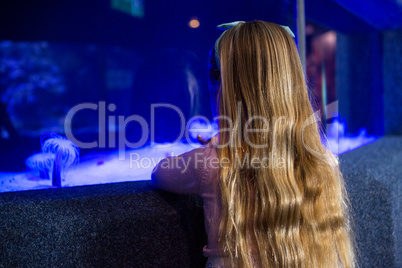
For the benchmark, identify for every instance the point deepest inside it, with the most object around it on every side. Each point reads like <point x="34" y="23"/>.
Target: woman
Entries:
<point x="277" y="197"/>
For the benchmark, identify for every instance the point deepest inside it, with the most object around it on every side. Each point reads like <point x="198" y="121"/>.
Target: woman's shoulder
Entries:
<point x="206" y="161"/>
<point x="206" y="155"/>
<point x="186" y="173"/>
<point x="207" y="150"/>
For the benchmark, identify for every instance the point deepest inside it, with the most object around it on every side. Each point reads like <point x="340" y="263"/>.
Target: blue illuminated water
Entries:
<point x="99" y="168"/>
<point x="137" y="165"/>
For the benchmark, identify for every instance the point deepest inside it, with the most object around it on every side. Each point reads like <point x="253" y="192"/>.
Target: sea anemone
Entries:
<point x="41" y="163"/>
<point x="66" y="154"/>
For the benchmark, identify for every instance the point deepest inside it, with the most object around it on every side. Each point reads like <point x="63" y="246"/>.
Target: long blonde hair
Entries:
<point x="293" y="211"/>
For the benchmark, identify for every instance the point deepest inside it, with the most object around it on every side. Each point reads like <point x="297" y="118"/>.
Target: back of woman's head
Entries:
<point x="283" y="196"/>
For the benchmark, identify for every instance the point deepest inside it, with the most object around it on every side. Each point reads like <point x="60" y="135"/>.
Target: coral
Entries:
<point x="66" y="154"/>
<point x="41" y="163"/>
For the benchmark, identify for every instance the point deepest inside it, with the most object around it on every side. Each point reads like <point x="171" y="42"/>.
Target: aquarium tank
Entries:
<point x="94" y="93"/>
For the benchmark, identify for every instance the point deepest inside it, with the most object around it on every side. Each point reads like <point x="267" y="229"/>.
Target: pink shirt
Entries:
<point x="195" y="172"/>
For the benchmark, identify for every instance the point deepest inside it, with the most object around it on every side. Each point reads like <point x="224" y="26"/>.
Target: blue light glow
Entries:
<point x="95" y="168"/>
<point x="338" y="143"/>
<point x="108" y="167"/>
